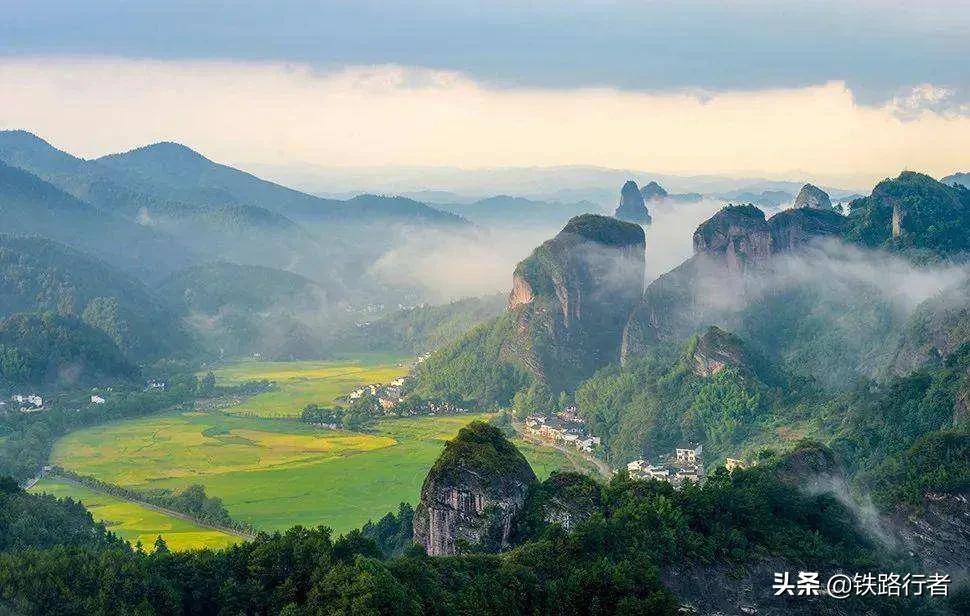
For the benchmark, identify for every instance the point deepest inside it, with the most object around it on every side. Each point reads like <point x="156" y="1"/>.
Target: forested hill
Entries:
<point x="423" y="328"/>
<point x="190" y="177"/>
<point x="40" y="275"/>
<point x="32" y="206"/>
<point x="913" y="212"/>
<point x="48" y="349"/>
<point x="245" y="309"/>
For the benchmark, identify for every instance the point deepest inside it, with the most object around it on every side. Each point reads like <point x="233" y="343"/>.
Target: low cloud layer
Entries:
<point x="290" y="114"/>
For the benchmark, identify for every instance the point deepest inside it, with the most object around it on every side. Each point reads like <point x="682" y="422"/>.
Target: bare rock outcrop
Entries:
<point x="632" y="207"/>
<point x="472" y="493"/>
<point x="811" y="196"/>
<point x="738" y="236"/>
<point x="938" y="531"/>
<point x="794" y="228"/>
<point x="716" y="350"/>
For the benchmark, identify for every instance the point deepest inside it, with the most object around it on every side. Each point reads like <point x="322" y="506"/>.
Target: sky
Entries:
<point x="839" y="92"/>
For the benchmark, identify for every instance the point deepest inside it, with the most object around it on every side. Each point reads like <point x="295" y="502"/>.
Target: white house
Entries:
<point x="30" y="399"/>
<point x="637" y="466"/>
<point x="690" y="454"/>
<point x="95" y="399"/>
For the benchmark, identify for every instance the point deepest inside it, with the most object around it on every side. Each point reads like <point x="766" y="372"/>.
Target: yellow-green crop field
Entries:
<point x="308" y="382"/>
<point x="133" y="522"/>
<point x="273" y="473"/>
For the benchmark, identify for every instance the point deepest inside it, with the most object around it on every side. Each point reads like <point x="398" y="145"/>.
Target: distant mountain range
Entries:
<point x="957" y="178"/>
<point x="565" y="184"/>
<point x="159" y="208"/>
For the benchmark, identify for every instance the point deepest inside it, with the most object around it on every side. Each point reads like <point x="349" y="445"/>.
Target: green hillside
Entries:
<point x="39" y="349"/>
<point x="38" y="274"/>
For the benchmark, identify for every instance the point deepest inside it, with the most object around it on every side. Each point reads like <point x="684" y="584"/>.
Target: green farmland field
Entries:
<point x="274" y="473"/>
<point x="133" y="522"/>
<point x="308" y="382"/>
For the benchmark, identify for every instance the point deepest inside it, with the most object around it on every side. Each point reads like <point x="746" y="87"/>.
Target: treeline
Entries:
<point x="354" y="417"/>
<point x="610" y="562"/>
<point x="192" y="501"/>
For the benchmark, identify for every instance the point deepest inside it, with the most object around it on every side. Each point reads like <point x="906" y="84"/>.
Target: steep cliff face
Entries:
<point x="793" y="228"/>
<point x="937" y="532"/>
<point x="938" y="327"/>
<point x="472" y="493"/>
<point x="812" y="197"/>
<point x="571" y="299"/>
<point x="736" y="252"/>
<point x="738" y="236"/>
<point x="632" y="207"/>
<point x="913" y="211"/>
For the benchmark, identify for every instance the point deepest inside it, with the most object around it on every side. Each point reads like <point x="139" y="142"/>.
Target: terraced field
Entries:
<point x="308" y="382"/>
<point x="133" y="522"/>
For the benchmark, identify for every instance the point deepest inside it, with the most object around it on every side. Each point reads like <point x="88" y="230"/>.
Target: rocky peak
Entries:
<point x="793" y="228"/>
<point x="811" y="196"/>
<point x="653" y="192"/>
<point x="571" y="298"/>
<point x="632" y="207"/>
<point x="472" y="493"/>
<point x="737" y="236"/>
<point x="716" y="350"/>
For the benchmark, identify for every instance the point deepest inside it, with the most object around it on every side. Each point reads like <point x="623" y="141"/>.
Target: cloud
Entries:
<point x="291" y="114"/>
<point x="912" y="103"/>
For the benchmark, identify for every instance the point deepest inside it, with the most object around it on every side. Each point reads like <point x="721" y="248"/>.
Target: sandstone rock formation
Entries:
<point x="571" y="298"/>
<point x="811" y="196"/>
<point x="653" y="192"/>
<point x="738" y="236"/>
<point x="793" y="228"/>
<point x="472" y="493"/>
<point x="716" y="350"/>
<point x="731" y="248"/>
<point x="632" y="207"/>
<point x="938" y="531"/>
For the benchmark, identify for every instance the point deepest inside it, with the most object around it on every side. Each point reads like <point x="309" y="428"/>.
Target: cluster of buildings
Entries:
<point x="25" y="403"/>
<point x="388" y="396"/>
<point x="565" y="427"/>
<point x="686" y="463"/>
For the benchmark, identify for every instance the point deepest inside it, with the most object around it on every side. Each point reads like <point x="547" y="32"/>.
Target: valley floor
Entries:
<point x="271" y="473"/>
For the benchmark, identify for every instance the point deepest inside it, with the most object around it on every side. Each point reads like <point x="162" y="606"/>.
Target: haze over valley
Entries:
<point x="503" y="308"/>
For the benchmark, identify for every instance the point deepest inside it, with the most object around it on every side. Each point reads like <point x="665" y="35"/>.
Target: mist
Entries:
<point x="445" y="266"/>
<point x="670" y="237"/>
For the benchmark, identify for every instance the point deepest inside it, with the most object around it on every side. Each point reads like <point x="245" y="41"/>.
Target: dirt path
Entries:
<point x="602" y="467"/>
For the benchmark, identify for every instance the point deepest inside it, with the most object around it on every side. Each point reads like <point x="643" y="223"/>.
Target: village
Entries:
<point x="685" y="463"/>
<point x="565" y="427"/>
<point x="37" y="403"/>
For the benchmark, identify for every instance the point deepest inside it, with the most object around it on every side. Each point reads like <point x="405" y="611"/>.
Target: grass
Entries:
<point x="275" y="473"/>
<point x="308" y="382"/>
<point x="133" y="522"/>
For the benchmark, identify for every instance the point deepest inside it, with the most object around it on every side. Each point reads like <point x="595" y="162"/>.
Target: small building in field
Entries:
<point x="95" y="399"/>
